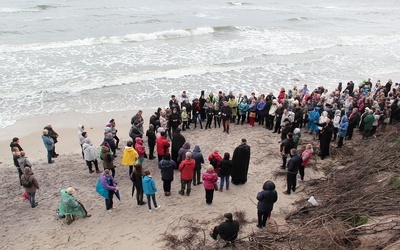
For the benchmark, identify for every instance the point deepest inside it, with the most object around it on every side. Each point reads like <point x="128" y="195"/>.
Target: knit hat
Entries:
<point x="229" y="216"/>
<point x="71" y="191"/>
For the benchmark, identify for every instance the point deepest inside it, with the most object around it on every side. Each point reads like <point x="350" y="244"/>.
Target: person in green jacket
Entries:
<point x="368" y="120"/>
<point x="70" y="205"/>
<point x="234" y="106"/>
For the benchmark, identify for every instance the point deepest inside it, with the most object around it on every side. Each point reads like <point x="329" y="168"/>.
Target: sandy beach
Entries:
<point x="129" y="226"/>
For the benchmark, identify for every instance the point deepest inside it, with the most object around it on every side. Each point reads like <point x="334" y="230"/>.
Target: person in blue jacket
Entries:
<point x="150" y="189"/>
<point x="266" y="199"/>
<point x="343" y="126"/>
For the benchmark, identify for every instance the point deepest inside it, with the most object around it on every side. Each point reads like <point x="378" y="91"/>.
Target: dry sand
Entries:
<point x="129" y="226"/>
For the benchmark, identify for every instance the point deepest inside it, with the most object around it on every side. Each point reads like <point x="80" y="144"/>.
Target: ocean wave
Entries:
<point x="137" y="37"/>
<point x="239" y="3"/>
<point x="295" y="19"/>
<point x="16" y="10"/>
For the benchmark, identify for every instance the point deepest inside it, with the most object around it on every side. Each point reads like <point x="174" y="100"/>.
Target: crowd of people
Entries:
<point x="328" y="116"/>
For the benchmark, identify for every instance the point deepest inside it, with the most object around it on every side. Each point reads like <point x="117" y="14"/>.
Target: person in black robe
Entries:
<point x="325" y="137"/>
<point x="240" y="160"/>
<point x="177" y="142"/>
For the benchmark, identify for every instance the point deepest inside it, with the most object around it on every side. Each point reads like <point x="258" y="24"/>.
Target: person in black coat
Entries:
<point x="177" y="142"/>
<point x="292" y="169"/>
<point x="325" y="136"/>
<point x="240" y="160"/>
<point x="151" y="141"/>
<point x="266" y="199"/>
<point x="225" y="170"/>
<point x="354" y="117"/>
<point x="227" y="230"/>
<point x="167" y="167"/>
<point x="198" y="157"/>
<point x="226" y="113"/>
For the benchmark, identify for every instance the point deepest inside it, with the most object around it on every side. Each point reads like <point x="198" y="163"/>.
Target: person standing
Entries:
<point x="108" y="183"/>
<point x="90" y="156"/>
<point x="162" y="145"/>
<point x="177" y="142"/>
<point x="343" y="126"/>
<point x="141" y="151"/>
<point x="227" y="230"/>
<point x="187" y="167"/>
<point x="151" y="141"/>
<point x="167" y="167"/>
<point x="285" y="148"/>
<point x="150" y="189"/>
<point x="54" y="136"/>
<point x="30" y="183"/>
<point x="137" y="178"/>
<point x="225" y="170"/>
<point x="16" y="156"/>
<point x="210" y="179"/>
<point x="325" y="138"/>
<point x="198" y="157"/>
<point x="266" y="199"/>
<point x="107" y="160"/>
<point x="129" y="157"/>
<point x="240" y="160"/>
<point x="226" y="113"/>
<point x="49" y="144"/>
<point x="292" y="169"/>
<point x="306" y="157"/>
<point x="114" y="132"/>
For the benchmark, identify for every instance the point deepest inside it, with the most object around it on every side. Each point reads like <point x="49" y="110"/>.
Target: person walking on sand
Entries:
<point x="107" y="181"/>
<point x="167" y="167"/>
<point x="70" y="205"/>
<point x="210" y="179"/>
<point x="49" y="144"/>
<point x="150" y="189"/>
<point x="240" y="160"/>
<point x="90" y="156"/>
<point x="187" y="167"/>
<point x="266" y="199"/>
<point x="30" y="183"/>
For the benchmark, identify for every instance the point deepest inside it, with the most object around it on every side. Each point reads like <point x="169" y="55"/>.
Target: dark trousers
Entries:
<point x="167" y="185"/>
<point x="209" y="121"/>
<point x="261" y="119"/>
<point x="217" y="119"/>
<point x="152" y="197"/>
<point x="291" y="182"/>
<point x="270" y="123"/>
<point x="335" y="131"/>
<point x="209" y="195"/>
<point x="151" y="151"/>
<point x="109" y="200"/>
<point x="196" y="176"/>
<point x="262" y="218"/>
<point x="116" y="140"/>
<point x="284" y="160"/>
<point x="241" y="117"/>
<point x="340" y="142"/>
<point x="186" y="185"/>
<point x="49" y="155"/>
<point x="277" y="125"/>
<point x="31" y="197"/>
<point x="349" y="134"/>
<point x="301" y="171"/>
<point x="19" y="174"/>
<point x="54" y="151"/>
<point x="96" y="165"/>
<point x="185" y="125"/>
<point x="159" y="157"/>
<point x="139" y="195"/>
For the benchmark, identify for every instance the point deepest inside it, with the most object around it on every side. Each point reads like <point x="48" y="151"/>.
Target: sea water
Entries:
<point x="94" y="56"/>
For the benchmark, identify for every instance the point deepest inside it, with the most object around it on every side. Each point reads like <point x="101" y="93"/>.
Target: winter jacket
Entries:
<point x="69" y="205"/>
<point x="106" y="157"/>
<point x="187" y="167"/>
<point x="48" y="142"/>
<point x="149" y="185"/>
<point x="167" y="169"/>
<point x="306" y="156"/>
<point x="209" y="179"/>
<point x="225" y="167"/>
<point x="88" y="152"/>
<point x="267" y="197"/>
<point x="139" y="147"/>
<point x="344" y="124"/>
<point x="134" y="132"/>
<point x="234" y="105"/>
<point x="183" y="150"/>
<point x="198" y="157"/>
<point x="28" y="175"/>
<point x="162" y="145"/>
<point x="294" y="164"/>
<point x="24" y="162"/>
<point x="130" y="157"/>
<point x="104" y="182"/>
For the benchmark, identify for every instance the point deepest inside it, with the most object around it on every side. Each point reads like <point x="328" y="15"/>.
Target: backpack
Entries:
<point x="26" y="183"/>
<point x="213" y="161"/>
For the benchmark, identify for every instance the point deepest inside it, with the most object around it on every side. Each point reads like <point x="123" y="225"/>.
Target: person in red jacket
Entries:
<point x="187" y="167"/>
<point x="306" y="156"/>
<point x="162" y="145"/>
<point x="214" y="159"/>
<point x="140" y="150"/>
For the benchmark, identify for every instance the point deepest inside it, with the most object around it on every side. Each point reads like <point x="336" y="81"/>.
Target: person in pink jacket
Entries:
<point x="210" y="178"/>
<point x="140" y="149"/>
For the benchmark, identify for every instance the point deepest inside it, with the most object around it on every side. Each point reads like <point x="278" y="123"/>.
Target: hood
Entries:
<point x="146" y="179"/>
<point x="28" y="171"/>
<point x="139" y="140"/>
<point x="87" y="141"/>
<point x="317" y="108"/>
<point x="196" y="149"/>
<point x="345" y="119"/>
<point x="186" y="145"/>
<point x="324" y="114"/>
<point x="296" y="131"/>
<point x="109" y="136"/>
<point x="80" y="128"/>
<point x="105" y="149"/>
<point x="269" y="185"/>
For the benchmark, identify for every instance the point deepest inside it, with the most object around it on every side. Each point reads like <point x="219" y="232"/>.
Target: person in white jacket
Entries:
<point x="90" y="156"/>
<point x="336" y="122"/>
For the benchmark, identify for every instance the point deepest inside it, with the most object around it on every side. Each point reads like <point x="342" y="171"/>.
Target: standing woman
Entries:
<point x="266" y="199"/>
<point x="49" y="144"/>
<point x="210" y="178"/>
<point x="150" y="189"/>
<point x="129" y="157"/>
<point x="225" y="171"/>
<point x="108" y="183"/>
<point x="226" y="113"/>
<point x="30" y="183"/>
<point x="136" y="178"/>
<point x="167" y="167"/>
<point x="252" y="112"/>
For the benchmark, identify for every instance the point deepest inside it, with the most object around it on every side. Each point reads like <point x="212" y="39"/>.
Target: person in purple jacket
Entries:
<point x="108" y="183"/>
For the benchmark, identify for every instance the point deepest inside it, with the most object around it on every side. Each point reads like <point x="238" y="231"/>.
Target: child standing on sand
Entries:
<point x="150" y="189"/>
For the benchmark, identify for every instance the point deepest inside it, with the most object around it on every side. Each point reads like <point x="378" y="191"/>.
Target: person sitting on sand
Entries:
<point x="227" y="230"/>
<point x="70" y="205"/>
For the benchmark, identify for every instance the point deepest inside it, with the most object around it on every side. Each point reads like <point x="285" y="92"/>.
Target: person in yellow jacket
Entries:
<point x="130" y="156"/>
